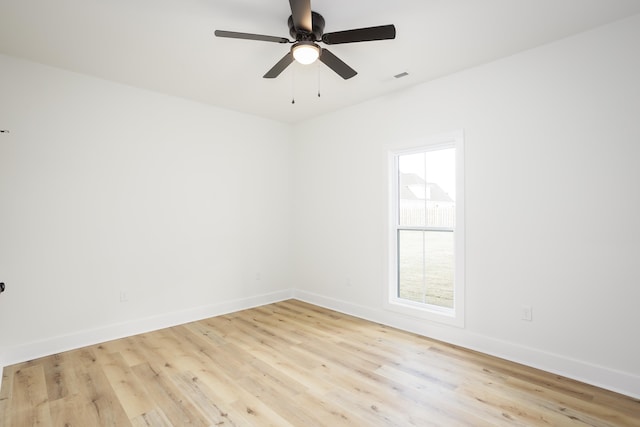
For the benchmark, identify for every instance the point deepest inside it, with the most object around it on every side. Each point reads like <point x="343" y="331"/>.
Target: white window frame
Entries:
<point x="451" y="316"/>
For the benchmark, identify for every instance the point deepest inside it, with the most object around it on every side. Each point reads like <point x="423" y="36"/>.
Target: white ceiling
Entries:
<point x="168" y="46"/>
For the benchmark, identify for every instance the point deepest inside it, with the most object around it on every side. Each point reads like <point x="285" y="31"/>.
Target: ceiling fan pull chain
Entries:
<point x="293" y="86"/>
<point x="318" y="71"/>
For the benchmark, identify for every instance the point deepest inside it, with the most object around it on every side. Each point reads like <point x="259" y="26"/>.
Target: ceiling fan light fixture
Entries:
<point x="306" y="52"/>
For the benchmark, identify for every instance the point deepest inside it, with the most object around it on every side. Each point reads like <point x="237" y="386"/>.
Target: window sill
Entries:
<point x="430" y="313"/>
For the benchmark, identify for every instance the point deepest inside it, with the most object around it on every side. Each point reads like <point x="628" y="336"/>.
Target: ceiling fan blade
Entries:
<point x="383" y="32"/>
<point x="248" y="36"/>
<point x="301" y="13"/>
<point x="279" y="67"/>
<point x="336" y="64"/>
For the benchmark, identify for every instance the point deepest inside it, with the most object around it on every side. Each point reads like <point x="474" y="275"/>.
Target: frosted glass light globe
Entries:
<point x="306" y="52"/>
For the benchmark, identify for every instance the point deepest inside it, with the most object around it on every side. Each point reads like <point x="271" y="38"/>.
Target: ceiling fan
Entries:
<point x="307" y="28"/>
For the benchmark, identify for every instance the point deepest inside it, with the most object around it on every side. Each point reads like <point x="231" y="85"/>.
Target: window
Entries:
<point x="426" y="238"/>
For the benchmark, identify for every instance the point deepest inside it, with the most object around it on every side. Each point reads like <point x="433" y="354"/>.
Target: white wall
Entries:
<point x="107" y="189"/>
<point x="552" y="150"/>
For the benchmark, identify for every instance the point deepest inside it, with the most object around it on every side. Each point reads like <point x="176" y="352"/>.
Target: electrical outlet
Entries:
<point x="123" y="296"/>
<point x="527" y="313"/>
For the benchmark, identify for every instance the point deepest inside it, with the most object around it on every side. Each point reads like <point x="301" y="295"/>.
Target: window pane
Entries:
<point x="412" y="190"/>
<point x="426" y="189"/>
<point x="425" y="267"/>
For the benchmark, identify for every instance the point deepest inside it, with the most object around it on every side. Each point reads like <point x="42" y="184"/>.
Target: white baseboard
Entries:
<point x="599" y="376"/>
<point x="34" y="350"/>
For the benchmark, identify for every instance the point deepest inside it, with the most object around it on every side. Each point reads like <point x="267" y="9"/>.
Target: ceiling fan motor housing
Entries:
<point x="317" y="29"/>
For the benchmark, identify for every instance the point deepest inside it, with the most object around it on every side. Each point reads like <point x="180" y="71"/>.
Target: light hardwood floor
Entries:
<point x="294" y="364"/>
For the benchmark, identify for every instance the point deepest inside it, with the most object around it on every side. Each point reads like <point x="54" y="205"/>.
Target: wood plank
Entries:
<point x="95" y="389"/>
<point x="256" y="413"/>
<point x="216" y="409"/>
<point x="328" y="411"/>
<point x="153" y="418"/>
<point x="74" y="410"/>
<point x="6" y="394"/>
<point x="126" y="386"/>
<point x="7" y="382"/>
<point x="163" y="391"/>
<point x="56" y="372"/>
<point x="30" y="404"/>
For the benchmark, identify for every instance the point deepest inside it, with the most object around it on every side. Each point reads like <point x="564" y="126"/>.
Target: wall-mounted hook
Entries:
<point x="4" y="130"/>
<point x="1" y="287"/>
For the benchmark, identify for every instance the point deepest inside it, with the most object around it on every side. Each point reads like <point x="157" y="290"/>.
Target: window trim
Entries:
<point x="450" y="316"/>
